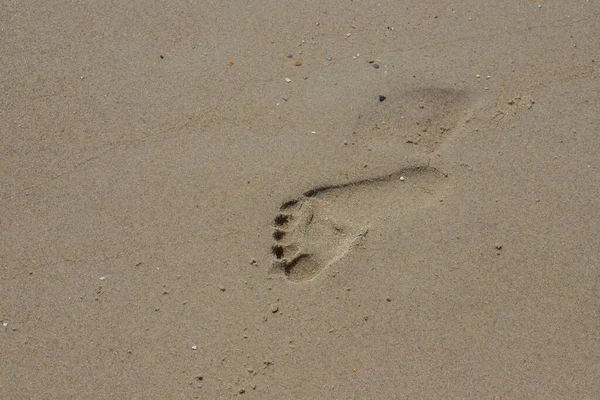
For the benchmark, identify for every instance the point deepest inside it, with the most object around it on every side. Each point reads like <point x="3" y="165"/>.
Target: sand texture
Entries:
<point x="300" y="200"/>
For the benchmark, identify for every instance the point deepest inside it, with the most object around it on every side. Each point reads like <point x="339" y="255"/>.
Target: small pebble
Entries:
<point x="297" y="63"/>
<point x="102" y="278"/>
<point x="329" y="58"/>
<point x="381" y="97"/>
<point x="288" y="80"/>
<point x="402" y="178"/>
<point x="194" y="347"/>
<point x="375" y="66"/>
<point x="498" y="246"/>
<point x="274" y="308"/>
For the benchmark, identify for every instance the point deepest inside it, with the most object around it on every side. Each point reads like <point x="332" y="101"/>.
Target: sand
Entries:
<point x="318" y="200"/>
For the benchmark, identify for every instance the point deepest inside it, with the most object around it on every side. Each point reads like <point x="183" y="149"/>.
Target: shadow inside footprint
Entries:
<point x="321" y="226"/>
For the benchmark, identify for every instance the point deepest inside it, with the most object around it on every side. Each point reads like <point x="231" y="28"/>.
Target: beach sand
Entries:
<point x="318" y="200"/>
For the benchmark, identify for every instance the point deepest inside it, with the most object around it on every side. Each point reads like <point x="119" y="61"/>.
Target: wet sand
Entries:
<point x="374" y="200"/>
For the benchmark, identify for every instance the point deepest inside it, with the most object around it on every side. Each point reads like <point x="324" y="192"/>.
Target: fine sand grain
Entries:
<point x="309" y="200"/>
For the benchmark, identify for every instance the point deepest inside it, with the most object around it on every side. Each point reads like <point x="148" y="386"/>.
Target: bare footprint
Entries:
<point x="424" y="117"/>
<point x="320" y="227"/>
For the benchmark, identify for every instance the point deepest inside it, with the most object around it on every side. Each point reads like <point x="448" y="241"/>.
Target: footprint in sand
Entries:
<point x="421" y="117"/>
<point x="320" y="227"/>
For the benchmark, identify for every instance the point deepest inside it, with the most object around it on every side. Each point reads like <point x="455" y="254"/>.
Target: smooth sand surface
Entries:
<point x="188" y="214"/>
